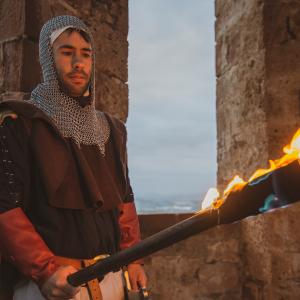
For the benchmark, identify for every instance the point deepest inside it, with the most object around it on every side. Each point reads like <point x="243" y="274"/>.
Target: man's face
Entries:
<point x="73" y="60"/>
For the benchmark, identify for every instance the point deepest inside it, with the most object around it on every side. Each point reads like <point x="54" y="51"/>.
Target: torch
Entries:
<point x="238" y="205"/>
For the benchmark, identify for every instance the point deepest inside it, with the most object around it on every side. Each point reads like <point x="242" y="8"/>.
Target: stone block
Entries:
<point x="284" y="17"/>
<point x="281" y="23"/>
<point x="241" y="128"/>
<point x="285" y="266"/>
<point x="218" y="278"/>
<point x="252" y="291"/>
<point x="111" y="52"/>
<point x="200" y="279"/>
<point x="265" y="265"/>
<point x="20" y="70"/>
<point x="37" y="13"/>
<point x="14" y="96"/>
<point x="83" y="7"/>
<point x="153" y="223"/>
<point x="12" y="19"/>
<point x="259" y="38"/>
<point x="62" y="7"/>
<point x="256" y="256"/>
<point x="241" y="42"/>
<point x="112" y="96"/>
<point x="224" y="251"/>
<point x="11" y="65"/>
<point x="232" y="12"/>
<point x="121" y="23"/>
<point x="31" y="70"/>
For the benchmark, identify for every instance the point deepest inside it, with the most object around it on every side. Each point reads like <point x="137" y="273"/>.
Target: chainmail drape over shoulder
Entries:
<point x="84" y="125"/>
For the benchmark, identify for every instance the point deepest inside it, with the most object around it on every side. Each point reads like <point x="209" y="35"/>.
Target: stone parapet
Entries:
<point x="254" y="259"/>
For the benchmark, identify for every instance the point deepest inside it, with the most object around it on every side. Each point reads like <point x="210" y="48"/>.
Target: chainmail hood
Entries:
<point x="85" y="125"/>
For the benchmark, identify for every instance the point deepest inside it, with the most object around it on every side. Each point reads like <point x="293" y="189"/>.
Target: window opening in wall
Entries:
<point x="171" y="124"/>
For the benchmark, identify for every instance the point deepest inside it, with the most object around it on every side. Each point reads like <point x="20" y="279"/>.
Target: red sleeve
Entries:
<point x="23" y="246"/>
<point x="128" y="220"/>
<point x="129" y="226"/>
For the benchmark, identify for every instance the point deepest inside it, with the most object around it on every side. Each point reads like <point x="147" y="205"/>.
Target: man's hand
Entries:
<point x="137" y="276"/>
<point x="57" y="287"/>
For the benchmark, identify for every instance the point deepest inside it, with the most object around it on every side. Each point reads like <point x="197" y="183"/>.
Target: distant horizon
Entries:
<point x="169" y="203"/>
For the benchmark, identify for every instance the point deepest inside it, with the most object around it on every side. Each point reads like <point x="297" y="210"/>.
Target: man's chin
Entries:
<point x="75" y="91"/>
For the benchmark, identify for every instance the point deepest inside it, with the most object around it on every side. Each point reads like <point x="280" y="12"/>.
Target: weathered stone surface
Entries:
<point x="257" y="83"/>
<point x="258" y="111"/>
<point x="10" y="68"/>
<point x="14" y="96"/>
<point x="282" y="43"/>
<point x="259" y="260"/>
<point x="242" y="146"/>
<point x="194" y="278"/>
<point x="19" y="69"/>
<point x="31" y="71"/>
<point x="36" y="13"/>
<point x="108" y="20"/>
<point x="224" y="251"/>
<point x="198" y="268"/>
<point x="162" y="221"/>
<point x="111" y="57"/>
<point x="112" y="96"/>
<point x="12" y="19"/>
<point x="236" y="34"/>
<point x="271" y="256"/>
<point x="241" y="128"/>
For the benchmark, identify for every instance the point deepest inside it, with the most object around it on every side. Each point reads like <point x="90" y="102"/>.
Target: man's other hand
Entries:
<point x="57" y="286"/>
<point x="137" y="276"/>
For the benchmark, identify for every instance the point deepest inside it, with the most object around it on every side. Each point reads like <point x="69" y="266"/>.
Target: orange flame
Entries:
<point x="292" y="153"/>
<point x="237" y="183"/>
<point x="211" y="196"/>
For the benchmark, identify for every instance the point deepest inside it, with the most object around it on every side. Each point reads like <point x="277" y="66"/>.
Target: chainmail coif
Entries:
<point x="85" y="125"/>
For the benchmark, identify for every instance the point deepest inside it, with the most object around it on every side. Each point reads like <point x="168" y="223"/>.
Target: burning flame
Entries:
<point x="294" y="146"/>
<point x="237" y="183"/>
<point x="292" y="153"/>
<point x="211" y="196"/>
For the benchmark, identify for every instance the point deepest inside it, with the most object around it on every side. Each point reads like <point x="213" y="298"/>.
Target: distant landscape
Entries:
<point x="168" y="203"/>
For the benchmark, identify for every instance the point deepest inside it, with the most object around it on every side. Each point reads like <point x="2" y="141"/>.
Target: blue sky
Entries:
<point x="171" y="124"/>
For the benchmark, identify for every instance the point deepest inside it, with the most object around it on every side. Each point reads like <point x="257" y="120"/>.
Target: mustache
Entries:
<point x="78" y="73"/>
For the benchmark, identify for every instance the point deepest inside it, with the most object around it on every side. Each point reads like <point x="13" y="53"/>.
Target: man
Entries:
<point x="65" y="193"/>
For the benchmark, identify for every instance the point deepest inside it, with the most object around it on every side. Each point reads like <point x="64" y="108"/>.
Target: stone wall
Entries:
<point x="258" y="82"/>
<point x="20" y="24"/>
<point x="255" y="259"/>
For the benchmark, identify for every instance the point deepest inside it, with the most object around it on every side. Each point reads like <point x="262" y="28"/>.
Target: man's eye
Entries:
<point x="86" y="55"/>
<point x="67" y="53"/>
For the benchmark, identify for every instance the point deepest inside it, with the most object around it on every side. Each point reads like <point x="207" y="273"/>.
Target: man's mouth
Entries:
<point x="77" y="78"/>
<point x="80" y="75"/>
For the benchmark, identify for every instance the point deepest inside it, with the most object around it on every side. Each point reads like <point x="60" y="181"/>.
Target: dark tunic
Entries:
<point x="78" y="232"/>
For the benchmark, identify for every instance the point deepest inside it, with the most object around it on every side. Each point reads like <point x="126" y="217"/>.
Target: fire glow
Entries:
<point x="292" y="153"/>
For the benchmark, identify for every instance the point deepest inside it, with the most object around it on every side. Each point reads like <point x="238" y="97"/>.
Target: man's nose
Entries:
<point x="77" y="62"/>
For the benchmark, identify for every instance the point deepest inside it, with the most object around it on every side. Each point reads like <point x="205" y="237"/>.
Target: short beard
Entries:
<point x="65" y="88"/>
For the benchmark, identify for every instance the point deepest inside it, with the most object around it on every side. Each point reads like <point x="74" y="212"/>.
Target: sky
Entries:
<point x="172" y="123"/>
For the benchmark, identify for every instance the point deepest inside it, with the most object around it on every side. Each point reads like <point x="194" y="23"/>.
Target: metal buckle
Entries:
<point x="100" y="257"/>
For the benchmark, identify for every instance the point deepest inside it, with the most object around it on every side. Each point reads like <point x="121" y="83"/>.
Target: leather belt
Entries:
<point x="93" y="285"/>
